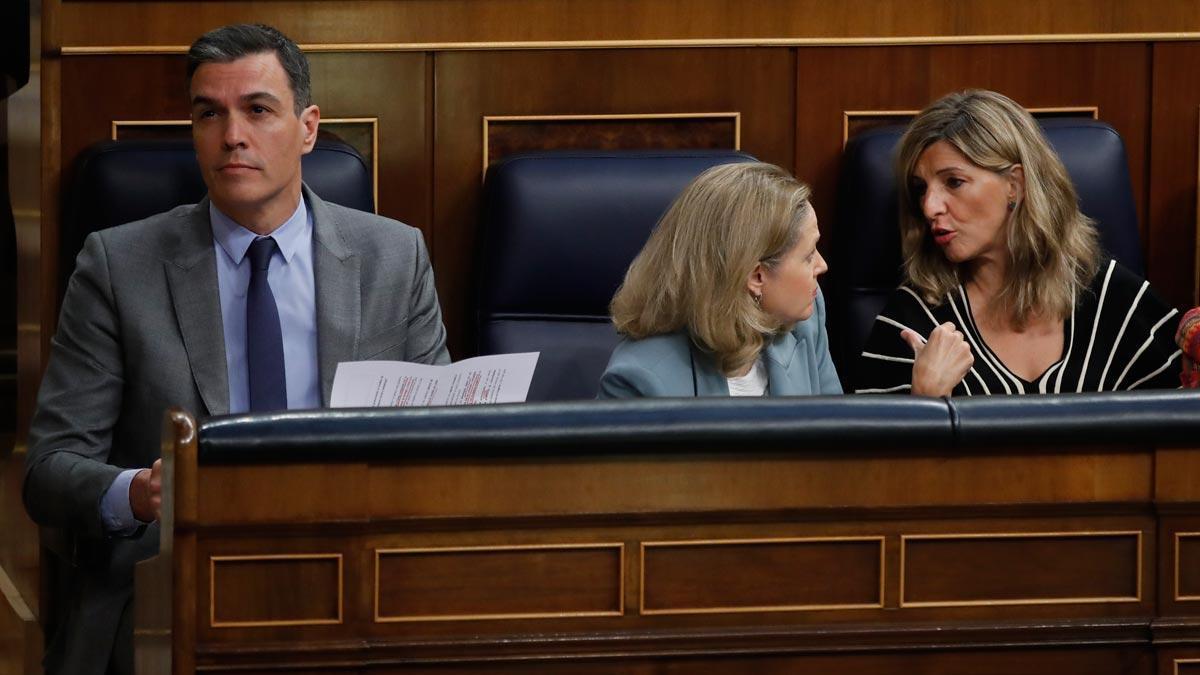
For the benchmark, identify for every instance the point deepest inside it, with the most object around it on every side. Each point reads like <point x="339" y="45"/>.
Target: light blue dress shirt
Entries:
<point x="294" y="287"/>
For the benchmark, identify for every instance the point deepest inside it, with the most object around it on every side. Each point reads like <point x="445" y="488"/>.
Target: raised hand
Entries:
<point x="940" y="362"/>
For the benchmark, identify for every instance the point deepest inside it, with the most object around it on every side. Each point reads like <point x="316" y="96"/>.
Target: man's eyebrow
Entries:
<point x="248" y="98"/>
<point x="260" y="96"/>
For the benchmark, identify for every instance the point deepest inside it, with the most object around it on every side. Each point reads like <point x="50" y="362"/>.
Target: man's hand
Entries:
<point x="940" y="363"/>
<point x="145" y="493"/>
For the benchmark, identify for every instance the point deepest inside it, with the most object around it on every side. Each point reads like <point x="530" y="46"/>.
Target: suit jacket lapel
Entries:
<point x="337" y="277"/>
<point x="781" y="361"/>
<point x="192" y="277"/>
<point x="710" y="381"/>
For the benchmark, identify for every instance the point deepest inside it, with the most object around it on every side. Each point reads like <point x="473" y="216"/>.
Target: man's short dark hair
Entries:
<point x="230" y="43"/>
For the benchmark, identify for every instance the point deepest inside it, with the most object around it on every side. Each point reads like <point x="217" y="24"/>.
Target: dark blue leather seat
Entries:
<point x="559" y="231"/>
<point x="865" y="260"/>
<point x="118" y="182"/>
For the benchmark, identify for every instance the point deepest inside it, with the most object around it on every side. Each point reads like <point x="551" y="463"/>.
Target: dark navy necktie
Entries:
<point x="264" y="338"/>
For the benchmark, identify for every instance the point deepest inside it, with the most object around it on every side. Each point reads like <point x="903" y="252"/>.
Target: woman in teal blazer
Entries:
<point x="723" y="300"/>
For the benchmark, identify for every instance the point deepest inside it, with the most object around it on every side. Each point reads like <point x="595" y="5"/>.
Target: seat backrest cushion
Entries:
<point x="865" y="265"/>
<point x="118" y="182"/>
<point x="559" y="232"/>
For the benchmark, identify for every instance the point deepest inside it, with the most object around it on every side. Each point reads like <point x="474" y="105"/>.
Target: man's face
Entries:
<point x="249" y="140"/>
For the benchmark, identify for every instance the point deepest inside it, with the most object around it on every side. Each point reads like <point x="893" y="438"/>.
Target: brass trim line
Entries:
<point x="904" y="538"/>
<point x="373" y="121"/>
<point x="847" y="115"/>
<point x="212" y="590"/>
<point x="1178" y="596"/>
<point x="1177" y="663"/>
<point x="620" y="611"/>
<point x="488" y="119"/>
<point x="741" y="609"/>
<point x="669" y="43"/>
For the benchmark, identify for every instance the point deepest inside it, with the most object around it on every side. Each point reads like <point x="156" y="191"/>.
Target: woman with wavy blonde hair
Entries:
<point x="723" y="299"/>
<point x="1006" y="290"/>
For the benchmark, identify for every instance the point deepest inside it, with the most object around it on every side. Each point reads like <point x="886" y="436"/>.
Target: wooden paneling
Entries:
<point x="275" y="590"/>
<point x="830" y="81"/>
<point x="761" y="575"/>
<point x="1187" y="566"/>
<point x="499" y="582"/>
<point x="1175" y="149"/>
<point x="754" y="82"/>
<point x="505" y="136"/>
<point x="162" y="22"/>
<point x="995" y="569"/>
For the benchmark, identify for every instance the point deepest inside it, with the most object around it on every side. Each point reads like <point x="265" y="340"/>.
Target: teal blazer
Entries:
<point x="797" y="363"/>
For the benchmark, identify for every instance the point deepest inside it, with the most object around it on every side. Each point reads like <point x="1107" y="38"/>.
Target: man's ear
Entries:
<point x="310" y="117"/>
<point x="1016" y="183"/>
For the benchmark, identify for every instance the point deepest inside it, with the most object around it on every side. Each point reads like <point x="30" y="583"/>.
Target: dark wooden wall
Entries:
<point x="788" y="76"/>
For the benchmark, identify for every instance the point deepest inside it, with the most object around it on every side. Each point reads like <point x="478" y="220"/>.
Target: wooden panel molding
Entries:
<point x="1020" y="568"/>
<point x="855" y="122"/>
<point x="762" y="575"/>
<point x="508" y="135"/>
<point x="499" y="582"/>
<point x="1187" y="566"/>
<point x="295" y="589"/>
<point x="1187" y="666"/>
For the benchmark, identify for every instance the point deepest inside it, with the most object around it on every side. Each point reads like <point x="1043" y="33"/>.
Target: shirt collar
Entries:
<point x="235" y="240"/>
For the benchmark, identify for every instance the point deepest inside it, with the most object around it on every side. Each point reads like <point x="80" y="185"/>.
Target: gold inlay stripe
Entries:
<point x="905" y="538"/>
<point x="767" y="608"/>
<point x="212" y="589"/>
<point x="1179" y="537"/>
<point x="1184" y="662"/>
<point x="848" y="115"/>
<point x="620" y="611"/>
<point x="872" y="41"/>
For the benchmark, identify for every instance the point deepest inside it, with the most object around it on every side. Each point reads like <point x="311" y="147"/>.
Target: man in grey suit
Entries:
<point x="246" y="301"/>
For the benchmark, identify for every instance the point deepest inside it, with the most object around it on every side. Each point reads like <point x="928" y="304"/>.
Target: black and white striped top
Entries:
<point x="1120" y="335"/>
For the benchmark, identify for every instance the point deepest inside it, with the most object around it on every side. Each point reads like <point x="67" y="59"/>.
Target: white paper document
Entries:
<point x="501" y="378"/>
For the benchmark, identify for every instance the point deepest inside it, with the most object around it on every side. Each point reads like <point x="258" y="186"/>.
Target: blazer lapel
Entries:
<point x="781" y="361"/>
<point x="337" y="277"/>
<point x="192" y="277"/>
<point x="708" y="379"/>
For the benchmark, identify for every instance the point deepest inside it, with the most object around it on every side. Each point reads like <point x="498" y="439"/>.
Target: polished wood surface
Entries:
<point x="157" y="22"/>
<point x="472" y="564"/>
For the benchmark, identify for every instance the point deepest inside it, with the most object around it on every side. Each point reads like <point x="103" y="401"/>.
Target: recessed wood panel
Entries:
<point x="758" y="83"/>
<point x="1187" y="566"/>
<point x="761" y="575"/>
<point x="389" y="123"/>
<point x="858" y="121"/>
<point x="830" y="81"/>
<point x="1174" y="178"/>
<point x="1187" y="667"/>
<point x="275" y="590"/>
<point x="503" y="582"/>
<point x="1016" y="569"/>
<point x="504" y="136"/>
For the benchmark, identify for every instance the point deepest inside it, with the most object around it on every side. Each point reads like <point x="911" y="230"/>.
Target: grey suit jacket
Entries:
<point x="140" y="331"/>
<point x="798" y="363"/>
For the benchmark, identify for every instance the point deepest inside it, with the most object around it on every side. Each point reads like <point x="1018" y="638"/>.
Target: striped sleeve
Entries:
<point x="885" y="366"/>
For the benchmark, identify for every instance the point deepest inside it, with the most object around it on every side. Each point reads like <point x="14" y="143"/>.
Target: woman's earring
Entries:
<point x="1012" y="204"/>
<point x="757" y="299"/>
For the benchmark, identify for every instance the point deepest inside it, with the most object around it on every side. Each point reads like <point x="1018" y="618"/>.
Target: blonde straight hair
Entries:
<point x="692" y="273"/>
<point x="1052" y="247"/>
